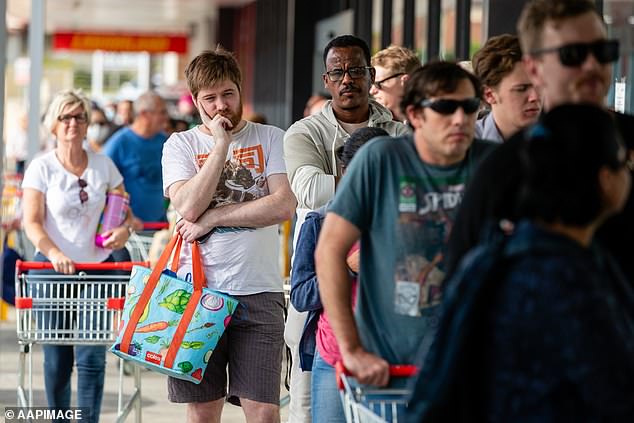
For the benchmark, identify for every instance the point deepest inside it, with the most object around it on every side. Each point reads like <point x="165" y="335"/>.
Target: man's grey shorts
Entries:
<point x="252" y="347"/>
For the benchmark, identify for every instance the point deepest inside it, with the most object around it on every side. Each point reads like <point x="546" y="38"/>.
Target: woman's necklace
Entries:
<point x="75" y="169"/>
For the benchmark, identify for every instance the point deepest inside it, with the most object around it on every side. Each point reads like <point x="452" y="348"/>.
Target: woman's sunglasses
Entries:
<point x="83" y="195"/>
<point x="573" y="55"/>
<point x="449" y="107"/>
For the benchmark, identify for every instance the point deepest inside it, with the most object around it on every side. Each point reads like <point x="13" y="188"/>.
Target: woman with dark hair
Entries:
<point x="538" y="326"/>
<point x="318" y="349"/>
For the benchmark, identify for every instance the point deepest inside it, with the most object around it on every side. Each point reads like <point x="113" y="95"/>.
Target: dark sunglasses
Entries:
<point x="572" y="55"/>
<point x="83" y="195"/>
<point x="449" y="107"/>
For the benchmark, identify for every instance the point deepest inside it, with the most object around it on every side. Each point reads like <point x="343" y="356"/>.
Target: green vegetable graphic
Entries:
<point x="152" y="339"/>
<point x="194" y="345"/>
<point x="185" y="366"/>
<point x="176" y="301"/>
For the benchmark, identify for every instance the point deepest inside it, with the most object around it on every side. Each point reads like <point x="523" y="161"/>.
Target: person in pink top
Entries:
<point x="318" y="349"/>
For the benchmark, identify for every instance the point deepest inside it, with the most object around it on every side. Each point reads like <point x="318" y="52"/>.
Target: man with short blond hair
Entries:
<point x="393" y="65"/>
<point x="513" y="99"/>
<point x="227" y="179"/>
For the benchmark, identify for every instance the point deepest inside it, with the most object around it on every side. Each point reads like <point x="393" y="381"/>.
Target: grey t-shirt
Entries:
<point x="404" y="209"/>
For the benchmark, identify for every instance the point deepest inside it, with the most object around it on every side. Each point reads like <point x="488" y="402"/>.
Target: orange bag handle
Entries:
<point x="190" y="309"/>
<point x="146" y="295"/>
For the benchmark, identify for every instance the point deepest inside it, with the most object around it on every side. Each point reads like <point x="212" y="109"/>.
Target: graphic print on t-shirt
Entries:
<point x="426" y="212"/>
<point x="242" y="178"/>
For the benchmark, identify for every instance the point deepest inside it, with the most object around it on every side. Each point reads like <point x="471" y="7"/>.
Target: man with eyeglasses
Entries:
<point x="399" y="198"/>
<point x="568" y="58"/>
<point x="313" y="170"/>
<point x="393" y="66"/>
<point x="514" y="101"/>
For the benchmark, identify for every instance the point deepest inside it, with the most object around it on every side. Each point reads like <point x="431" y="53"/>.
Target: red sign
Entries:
<point x="90" y="41"/>
<point x="153" y="357"/>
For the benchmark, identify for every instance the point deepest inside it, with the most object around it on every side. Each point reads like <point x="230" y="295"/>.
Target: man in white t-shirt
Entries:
<point x="227" y="179"/>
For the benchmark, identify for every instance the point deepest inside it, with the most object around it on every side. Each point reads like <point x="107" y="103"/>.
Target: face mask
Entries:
<point x="97" y="133"/>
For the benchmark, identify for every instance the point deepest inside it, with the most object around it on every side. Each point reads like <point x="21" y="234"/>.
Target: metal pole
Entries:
<point x="386" y="24"/>
<point x="463" y="29"/>
<point x="433" y="29"/>
<point x="3" y="62"/>
<point x="36" y="55"/>
<point x="409" y="21"/>
<point x="290" y="45"/>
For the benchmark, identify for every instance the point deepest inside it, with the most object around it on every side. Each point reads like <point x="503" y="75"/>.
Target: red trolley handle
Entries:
<point x="155" y="226"/>
<point x="21" y="266"/>
<point x="396" y="370"/>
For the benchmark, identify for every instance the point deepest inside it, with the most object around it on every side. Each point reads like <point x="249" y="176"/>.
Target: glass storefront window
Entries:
<point x="619" y="17"/>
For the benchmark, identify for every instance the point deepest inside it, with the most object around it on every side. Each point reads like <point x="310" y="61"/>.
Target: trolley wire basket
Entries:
<point x="78" y="309"/>
<point x="362" y="404"/>
<point x="139" y="243"/>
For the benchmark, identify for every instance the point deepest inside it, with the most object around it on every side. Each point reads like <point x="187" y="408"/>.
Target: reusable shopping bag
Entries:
<point x="170" y="325"/>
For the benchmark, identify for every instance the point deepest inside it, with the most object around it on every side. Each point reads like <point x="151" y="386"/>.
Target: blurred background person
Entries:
<point x="17" y="144"/>
<point x="509" y="92"/>
<point x="125" y="113"/>
<point x="187" y="110"/>
<point x="539" y="327"/>
<point x="64" y="195"/>
<point x="136" y="150"/>
<point x="393" y="65"/>
<point x="99" y="130"/>
<point x="314" y="103"/>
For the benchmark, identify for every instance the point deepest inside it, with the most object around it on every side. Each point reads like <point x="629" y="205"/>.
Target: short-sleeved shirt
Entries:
<point x="404" y="209"/>
<point x="237" y="260"/>
<point x="139" y="161"/>
<point x="71" y="225"/>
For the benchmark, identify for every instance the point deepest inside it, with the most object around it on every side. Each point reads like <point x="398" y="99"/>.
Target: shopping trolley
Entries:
<point x="139" y="243"/>
<point x="373" y="405"/>
<point x="77" y="309"/>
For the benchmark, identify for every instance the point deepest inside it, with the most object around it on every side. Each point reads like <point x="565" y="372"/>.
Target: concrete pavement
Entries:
<point x="155" y="406"/>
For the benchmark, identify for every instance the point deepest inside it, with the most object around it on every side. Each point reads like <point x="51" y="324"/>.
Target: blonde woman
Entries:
<point x="64" y="195"/>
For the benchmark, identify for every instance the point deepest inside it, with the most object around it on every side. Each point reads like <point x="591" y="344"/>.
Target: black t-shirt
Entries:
<point x="492" y="195"/>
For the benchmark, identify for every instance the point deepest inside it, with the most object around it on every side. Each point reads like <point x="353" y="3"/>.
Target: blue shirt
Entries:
<point x="139" y="161"/>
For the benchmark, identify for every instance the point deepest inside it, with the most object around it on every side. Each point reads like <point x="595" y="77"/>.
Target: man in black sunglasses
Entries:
<point x="400" y="196"/>
<point x="568" y="58"/>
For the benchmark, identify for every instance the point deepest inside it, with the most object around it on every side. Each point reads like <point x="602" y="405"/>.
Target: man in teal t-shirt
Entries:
<point x="400" y="197"/>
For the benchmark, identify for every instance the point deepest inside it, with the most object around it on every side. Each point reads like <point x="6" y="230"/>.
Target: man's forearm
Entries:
<point x="193" y="197"/>
<point x="265" y="211"/>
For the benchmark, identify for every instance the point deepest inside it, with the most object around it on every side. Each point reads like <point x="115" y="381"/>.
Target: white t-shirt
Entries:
<point x="70" y="224"/>
<point x="237" y="261"/>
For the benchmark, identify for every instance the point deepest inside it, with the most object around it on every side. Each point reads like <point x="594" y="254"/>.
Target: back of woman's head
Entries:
<point x="357" y="139"/>
<point x="561" y="157"/>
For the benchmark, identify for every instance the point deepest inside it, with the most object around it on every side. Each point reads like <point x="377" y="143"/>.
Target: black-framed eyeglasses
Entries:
<point x="83" y="195"/>
<point x="449" y="106"/>
<point x="357" y="72"/>
<point x="79" y="118"/>
<point x="573" y="55"/>
<point x="378" y="84"/>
